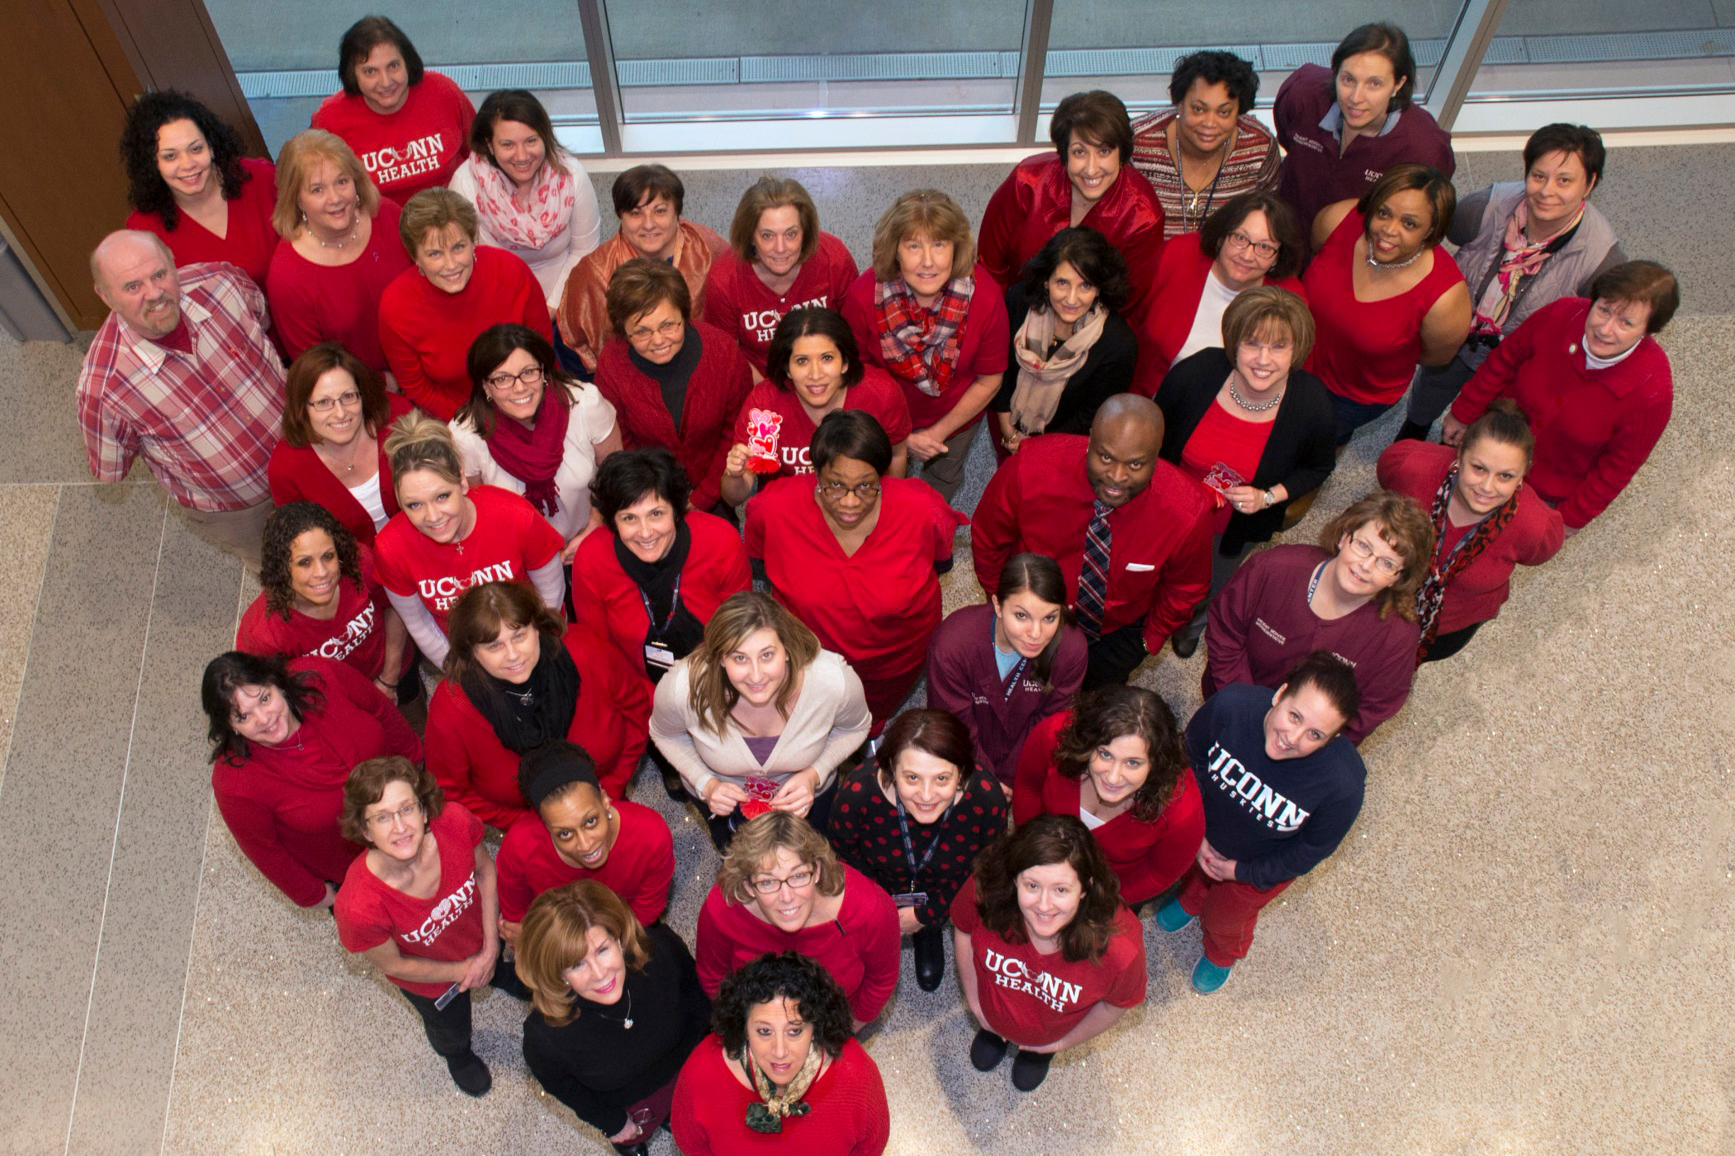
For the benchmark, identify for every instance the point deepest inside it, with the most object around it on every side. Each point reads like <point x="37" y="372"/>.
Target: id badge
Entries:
<point x="659" y="656"/>
<point x="910" y="898"/>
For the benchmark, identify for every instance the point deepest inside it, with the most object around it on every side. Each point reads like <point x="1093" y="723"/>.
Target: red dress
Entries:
<point x="1035" y="202"/>
<point x="876" y="607"/>
<point x="1148" y="858"/>
<point x="312" y="303"/>
<point x="611" y="722"/>
<point x="297" y="475"/>
<point x="249" y="239"/>
<point x="1366" y="351"/>
<point x="640" y="866"/>
<point x="354" y="636"/>
<point x="876" y="394"/>
<point x="849" y="1117"/>
<point x="738" y="303"/>
<point x="417" y="147"/>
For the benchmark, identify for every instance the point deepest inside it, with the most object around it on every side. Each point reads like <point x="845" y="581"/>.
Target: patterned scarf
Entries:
<point x="1442" y="570"/>
<point x="1522" y="258"/>
<point x="767" y="1116"/>
<point x="920" y="345"/>
<point x="1042" y="376"/>
<point x="529" y="219"/>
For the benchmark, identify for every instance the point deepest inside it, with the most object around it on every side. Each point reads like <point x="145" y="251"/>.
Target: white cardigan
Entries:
<point x="552" y="264"/>
<point x="827" y="722"/>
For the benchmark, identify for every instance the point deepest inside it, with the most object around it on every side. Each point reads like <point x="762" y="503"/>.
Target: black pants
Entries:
<point x="723" y="828"/>
<point x="1446" y="645"/>
<point x="1114" y="657"/>
<point x="448" y="1028"/>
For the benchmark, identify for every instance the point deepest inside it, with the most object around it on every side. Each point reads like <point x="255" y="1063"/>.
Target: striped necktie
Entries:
<point x="1093" y="577"/>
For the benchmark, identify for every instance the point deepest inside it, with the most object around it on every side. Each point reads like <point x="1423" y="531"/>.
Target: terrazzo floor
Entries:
<point x="1523" y="947"/>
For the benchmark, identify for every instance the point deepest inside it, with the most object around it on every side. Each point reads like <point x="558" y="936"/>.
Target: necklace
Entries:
<point x="527" y="699"/>
<point x="340" y="243"/>
<point x="1414" y="257"/>
<point x="354" y="452"/>
<point x="1247" y="405"/>
<point x="1210" y="193"/>
<point x="627" y="1022"/>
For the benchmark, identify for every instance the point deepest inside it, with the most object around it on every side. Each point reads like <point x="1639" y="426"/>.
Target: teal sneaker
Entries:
<point x="1172" y="918"/>
<point x="1208" y="977"/>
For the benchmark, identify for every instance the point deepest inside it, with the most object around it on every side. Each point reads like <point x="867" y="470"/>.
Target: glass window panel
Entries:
<point x="697" y="59"/>
<point x="1558" y="48"/>
<point x="285" y="55"/>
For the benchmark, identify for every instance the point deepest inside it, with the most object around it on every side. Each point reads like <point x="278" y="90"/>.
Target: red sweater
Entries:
<point x="282" y="803"/>
<point x="639" y="868"/>
<point x="426" y="332"/>
<point x="417" y="147"/>
<point x="606" y="601"/>
<point x="859" y="948"/>
<point x="1594" y="427"/>
<point x="1533" y="536"/>
<point x="248" y="241"/>
<point x="611" y="722"/>
<point x="354" y="636"/>
<point x="849" y="1117"/>
<point x="313" y="303"/>
<point x="1039" y="501"/>
<point x="737" y="301"/>
<point x="1180" y="282"/>
<point x="1148" y="858"/>
<point x="1034" y="203"/>
<point x="298" y="475"/>
<point x="720" y="383"/>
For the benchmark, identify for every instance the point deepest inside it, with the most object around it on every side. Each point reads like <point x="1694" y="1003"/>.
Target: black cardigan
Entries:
<point x="1299" y="454"/>
<point x="1107" y="370"/>
<point x="596" y="1067"/>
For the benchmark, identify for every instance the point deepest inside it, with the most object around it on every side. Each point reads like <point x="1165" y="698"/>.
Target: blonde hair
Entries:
<point x="756" y="845"/>
<point x="419" y="442"/>
<point x="710" y="694"/>
<point x="299" y="156"/>
<point x="928" y="212"/>
<point x="555" y="937"/>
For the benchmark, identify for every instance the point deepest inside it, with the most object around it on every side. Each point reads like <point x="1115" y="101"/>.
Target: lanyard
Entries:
<point x="657" y="632"/>
<point x="909" y="849"/>
<point x="1011" y="686"/>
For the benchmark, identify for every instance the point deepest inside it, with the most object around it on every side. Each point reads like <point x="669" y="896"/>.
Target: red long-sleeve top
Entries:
<point x="640" y="866"/>
<point x="849" y="1114"/>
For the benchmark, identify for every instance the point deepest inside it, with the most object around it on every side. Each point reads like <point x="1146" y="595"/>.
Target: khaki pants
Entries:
<point x="237" y="532"/>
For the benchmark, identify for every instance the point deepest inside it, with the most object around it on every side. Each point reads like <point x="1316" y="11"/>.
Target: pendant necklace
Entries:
<point x="626" y="1023"/>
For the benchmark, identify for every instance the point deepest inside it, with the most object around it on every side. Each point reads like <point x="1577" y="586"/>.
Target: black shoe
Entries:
<point x="470" y="1074"/>
<point x="1412" y="431"/>
<point x="1029" y="1070"/>
<point x="987" y="1050"/>
<point x="642" y="1148"/>
<point x="930" y="945"/>
<point x="672" y="784"/>
<point x="1184" y="645"/>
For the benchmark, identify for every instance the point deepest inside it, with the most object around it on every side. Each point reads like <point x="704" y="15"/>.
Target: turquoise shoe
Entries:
<point x="1172" y="918"/>
<point x="1208" y="977"/>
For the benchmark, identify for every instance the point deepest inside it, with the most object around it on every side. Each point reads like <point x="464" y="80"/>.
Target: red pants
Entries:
<point x="1227" y="913"/>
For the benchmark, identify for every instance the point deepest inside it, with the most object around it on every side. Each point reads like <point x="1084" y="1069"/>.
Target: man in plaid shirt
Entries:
<point x="183" y="373"/>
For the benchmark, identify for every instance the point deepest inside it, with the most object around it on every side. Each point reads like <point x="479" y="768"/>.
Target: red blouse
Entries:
<point x="297" y="474"/>
<point x="248" y="241"/>
<point x="312" y="303"/>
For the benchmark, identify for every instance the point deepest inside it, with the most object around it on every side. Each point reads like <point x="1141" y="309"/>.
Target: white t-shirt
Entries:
<point x="1207" y="331"/>
<point x="590" y="421"/>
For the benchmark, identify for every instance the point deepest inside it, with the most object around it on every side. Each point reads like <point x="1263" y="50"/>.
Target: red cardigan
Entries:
<point x="297" y="475"/>
<point x="1594" y="427"/>
<point x="606" y="601"/>
<point x="1034" y="203"/>
<point x="849" y="1117"/>
<point x="720" y="383"/>
<point x="1180" y="282"/>
<point x="426" y="332"/>
<point x="611" y="723"/>
<point x="282" y="804"/>
<point x="1148" y="858"/>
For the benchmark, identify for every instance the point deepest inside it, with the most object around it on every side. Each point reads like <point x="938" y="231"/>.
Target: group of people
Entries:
<point x="478" y="454"/>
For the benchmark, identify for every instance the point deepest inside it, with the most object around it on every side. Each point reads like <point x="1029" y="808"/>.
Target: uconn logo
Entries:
<point x="441" y="593"/>
<point x="1257" y="798"/>
<point x="359" y="630"/>
<point x="1019" y="976"/>
<point x="421" y="155"/>
<point x="444" y="914"/>
<point x="762" y="323"/>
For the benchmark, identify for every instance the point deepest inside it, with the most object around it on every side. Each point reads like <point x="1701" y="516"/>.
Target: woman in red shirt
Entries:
<point x="936" y="321"/>
<point x="856" y="555"/>
<point x="189" y="184"/>
<point x="320" y="597"/>
<point x="674" y="382"/>
<point x="778" y="261"/>
<point x="285" y="736"/>
<point x="1486" y="522"/>
<point x="1385" y="297"/>
<point x="782" y="1073"/>
<point x="516" y="678"/>
<point x="421" y="904"/>
<point x="1116" y="760"/>
<point x="781" y="888"/>
<point x="1250" y="241"/>
<point x="1047" y="954"/>
<point x="431" y="314"/>
<point x="814" y="369"/>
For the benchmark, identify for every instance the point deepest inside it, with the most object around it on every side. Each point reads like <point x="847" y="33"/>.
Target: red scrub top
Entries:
<point x="876" y="394"/>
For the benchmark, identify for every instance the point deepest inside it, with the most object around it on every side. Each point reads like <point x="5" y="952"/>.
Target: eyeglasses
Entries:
<point x="1364" y="551"/>
<point x="667" y="330"/>
<point x="503" y="381"/>
<point x="349" y="398"/>
<point x="1265" y="250"/>
<point x="865" y="491"/>
<point x="796" y="882"/>
<point x="386" y="820"/>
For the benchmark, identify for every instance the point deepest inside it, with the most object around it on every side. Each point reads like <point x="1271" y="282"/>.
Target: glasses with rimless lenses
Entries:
<point x="385" y="820"/>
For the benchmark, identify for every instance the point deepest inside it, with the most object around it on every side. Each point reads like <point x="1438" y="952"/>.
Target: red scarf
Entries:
<point x="920" y="345"/>
<point x="533" y="455"/>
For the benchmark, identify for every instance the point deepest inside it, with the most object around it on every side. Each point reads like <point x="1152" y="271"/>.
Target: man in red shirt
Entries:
<point x="183" y="374"/>
<point x="1132" y="533"/>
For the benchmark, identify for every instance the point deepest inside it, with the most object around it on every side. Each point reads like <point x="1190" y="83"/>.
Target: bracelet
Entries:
<point x="1269" y="500"/>
<point x="389" y="685"/>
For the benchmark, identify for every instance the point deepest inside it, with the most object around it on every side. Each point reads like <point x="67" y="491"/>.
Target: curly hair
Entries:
<point x="1101" y="716"/>
<point x="367" y="785"/>
<point x="282" y="528"/>
<point x="1042" y="842"/>
<point x="757" y="844"/>
<point x="1094" y="258"/>
<point x="146" y="190"/>
<point x="1405" y="527"/>
<point x="784" y="976"/>
<point x="233" y="669"/>
<point x="555" y="938"/>
<point x="628" y="477"/>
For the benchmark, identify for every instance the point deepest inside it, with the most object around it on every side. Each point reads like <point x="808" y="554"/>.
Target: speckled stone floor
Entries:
<point x="1523" y="947"/>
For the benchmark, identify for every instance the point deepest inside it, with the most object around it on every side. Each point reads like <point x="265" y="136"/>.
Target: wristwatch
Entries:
<point x="1270" y="500"/>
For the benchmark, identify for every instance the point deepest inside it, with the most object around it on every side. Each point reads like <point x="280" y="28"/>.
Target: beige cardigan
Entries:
<point x="827" y="721"/>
